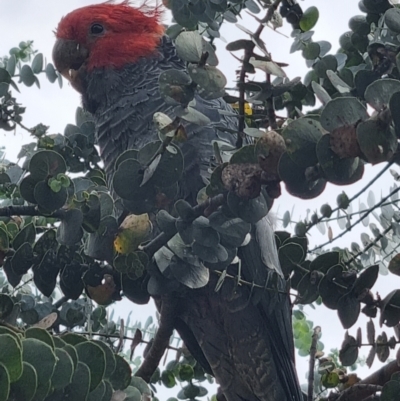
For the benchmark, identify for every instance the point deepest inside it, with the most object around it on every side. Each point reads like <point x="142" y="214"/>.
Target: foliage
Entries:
<point x="69" y="365"/>
<point x="61" y="228"/>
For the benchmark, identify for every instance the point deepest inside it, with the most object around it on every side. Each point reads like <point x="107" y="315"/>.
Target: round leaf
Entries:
<point x="377" y="141"/>
<point x="64" y="369"/>
<point x="6" y="306"/>
<point x="348" y="310"/>
<point x="110" y="357"/>
<point x="209" y="78"/>
<point x="295" y="180"/>
<point x="79" y="387"/>
<point x="11" y="356"/>
<point x="41" y="357"/>
<point x="94" y="357"/>
<point x="121" y="376"/>
<point x="390" y="310"/>
<point x="342" y="111"/>
<point x="25" y="387"/>
<point x="348" y="353"/>
<point x="27" y="76"/>
<point x="168" y="378"/>
<point x="339" y="171"/>
<point x="378" y="94"/>
<point x="394" y="265"/>
<point x="40" y="334"/>
<point x="4" y="383"/>
<point x="47" y="199"/>
<point x="132" y="232"/>
<point x="46" y="163"/>
<point x="392" y="20"/>
<point x="309" y="19"/>
<point x="190" y="46"/>
<point x="301" y="137"/>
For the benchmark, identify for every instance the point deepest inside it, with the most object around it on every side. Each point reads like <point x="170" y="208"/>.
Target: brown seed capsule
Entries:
<point x="269" y="149"/>
<point x="344" y="141"/>
<point x="242" y="179"/>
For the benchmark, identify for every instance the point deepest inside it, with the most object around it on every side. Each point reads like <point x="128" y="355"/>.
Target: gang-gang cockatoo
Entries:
<point x="113" y="54"/>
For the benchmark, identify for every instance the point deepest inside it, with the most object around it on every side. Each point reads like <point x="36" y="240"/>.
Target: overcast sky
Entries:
<point x="22" y="20"/>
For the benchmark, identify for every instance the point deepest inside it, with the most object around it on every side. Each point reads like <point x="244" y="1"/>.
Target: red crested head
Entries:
<point x="106" y="35"/>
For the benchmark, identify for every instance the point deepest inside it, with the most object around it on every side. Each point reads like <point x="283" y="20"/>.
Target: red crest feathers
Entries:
<point x="129" y="32"/>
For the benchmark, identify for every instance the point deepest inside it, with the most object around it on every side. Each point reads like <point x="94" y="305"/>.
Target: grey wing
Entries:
<point x="234" y="344"/>
<point x="245" y="336"/>
<point x="260" y="264"/>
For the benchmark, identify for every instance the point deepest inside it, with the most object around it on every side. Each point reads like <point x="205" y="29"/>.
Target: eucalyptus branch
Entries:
<point x="11" y="327"/>
<point x="242" y="75"/>
<point x="357" y="392"/>
<point x="242" y="78"/>
<point x="271" y="113"/>
<point x="10" y="211"/>
<point x="24" y="127"/>
<point x="271" y="9"/>
<point x="18" y="287"/>
<point x="354" y="197"/>
<point x="61" y="301"/>
<point x="117" y="336"/>
<point x="369" y="246"/>
<point x="348" y="215"/>
<point x="121" y="336"/>
<point x="311" y="366"/>
<point x="379" y="204"/>
<point x="392" y="251"/>
<point x="247" y="283"/>
<point x="161" y="339"/>
<point x="388" y="344"/>
<point x="383" y="375"/>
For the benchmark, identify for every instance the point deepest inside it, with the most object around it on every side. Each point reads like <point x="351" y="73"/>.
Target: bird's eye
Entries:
<point x="96" y="29"/>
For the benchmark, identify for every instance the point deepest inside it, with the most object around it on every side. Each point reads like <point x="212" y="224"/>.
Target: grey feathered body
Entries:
<point x="246" y="344"/>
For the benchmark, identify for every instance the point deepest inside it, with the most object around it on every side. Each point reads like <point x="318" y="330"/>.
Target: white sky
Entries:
<point x="36" y="19"/>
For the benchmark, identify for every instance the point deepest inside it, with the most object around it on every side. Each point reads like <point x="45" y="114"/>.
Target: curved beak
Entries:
<point x="69" y="59"/>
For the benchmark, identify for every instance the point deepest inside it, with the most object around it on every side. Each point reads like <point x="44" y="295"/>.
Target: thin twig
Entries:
<point x="242" y="75"/>
<point x="9" y="211"/>
<point x="392" y="252"/>
<point x="271" y="9"/>
<point x="369" y="246"/>
<point x="354" y="197"/>
<point x="18" y="287"/>
<point x="118" y="336"/>
<point x="347" y="216"/>
<point x="357" y="221"/>
<point x="61" y="301"/>
<point x="30" y="130"/>
<point x="240" y="281"/>
<point x="311" y="366"/>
